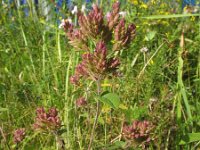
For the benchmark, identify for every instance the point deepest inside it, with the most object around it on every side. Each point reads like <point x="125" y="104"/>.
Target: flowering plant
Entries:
<point x="99" y="38"/>
<point x="47" y="121"/>
<point x="138" y="130"/>
<point x="19" y="135"/>
<point x="103" y="31"/>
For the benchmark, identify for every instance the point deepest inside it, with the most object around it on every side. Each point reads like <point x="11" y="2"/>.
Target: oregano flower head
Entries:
<point x="95" y="65"/>
<point x="138" y="130"/>
<point x="19" y="135"/>
<point x="81" y="102"/>
<point x="106" y="34"/>
<point x="96" y="26"/>
<point x="47" y="121"/>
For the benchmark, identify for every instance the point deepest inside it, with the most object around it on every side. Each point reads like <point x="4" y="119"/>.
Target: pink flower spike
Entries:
<point x="81" y="102"/>
<point x="19" y="135"/>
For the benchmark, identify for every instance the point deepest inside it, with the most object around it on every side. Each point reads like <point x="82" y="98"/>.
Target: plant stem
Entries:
<point x="147" y="63"/>
<point x="60" y="142"/>
<point x="4" y="138"/>
<point x="180" y="80"/>
<point x="97" y="114"/>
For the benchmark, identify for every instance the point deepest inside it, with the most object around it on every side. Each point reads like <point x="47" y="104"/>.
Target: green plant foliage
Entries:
<point x="111" y="99"/>
<point x="117" y="145"/>
<point x="150" y="35"/>
<point x="189" y="138"/>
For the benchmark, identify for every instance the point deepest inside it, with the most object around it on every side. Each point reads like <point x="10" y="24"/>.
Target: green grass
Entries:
<point x="162" y="85"/>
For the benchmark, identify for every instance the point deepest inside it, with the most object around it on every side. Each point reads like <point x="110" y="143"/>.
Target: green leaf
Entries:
<point x="110" y="99"/>
<point x="150" y="35"/>
<point x="62" y="131"/>
<point x="168" y="16"/>
<point x="190" y="137"/>
<point x="136" y="113"/>
<point x="101" y="121"/>
<point x="3" y="109"/>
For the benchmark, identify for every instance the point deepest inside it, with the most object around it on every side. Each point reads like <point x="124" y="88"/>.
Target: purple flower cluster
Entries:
<point x="95" y="65"/>
<point x="76" y="37"/>
<point x="47" y="121"/>
<point x="92" y="24"/>
<point x="96" y="26"/>
<point x="102" y="31"/>
<point x="81" y="102"/>
<point x="139" y="130"/>
<point x="113" y="16"/>
<point x="123" y="36"/>
<point x="19" y="135"/>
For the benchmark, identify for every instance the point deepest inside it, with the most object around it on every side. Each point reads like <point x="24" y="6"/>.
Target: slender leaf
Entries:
<point x="190" y="137"/>
<point x="169" y="16"/>
<point x="111" y="99"/>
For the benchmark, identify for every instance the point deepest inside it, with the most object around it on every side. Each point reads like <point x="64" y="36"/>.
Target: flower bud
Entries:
<point x="47" y="121"/>
<point x="101" y="50"/>
<point x="114" y="16"/>
<point x="19" y="135"/>
<point x="139" y="130"/>
<point x="74" y="80"/>
<point x="81" y="102"/>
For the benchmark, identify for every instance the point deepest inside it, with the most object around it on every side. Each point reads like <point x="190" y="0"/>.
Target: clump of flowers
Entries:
<point x="104" y="31"/>
<point x="122" y="35"/>
<point x="95" y="65"/>
<point x="99" y="38"/>
<point x="113" y="16"/>
<point x="95" y="26"/>
<point x="19" y="135"/>
<point x="144" y="50"/>
<point x="138" y="131"/>
<point x="81" y="102"/>
<point x="47" y="121"/>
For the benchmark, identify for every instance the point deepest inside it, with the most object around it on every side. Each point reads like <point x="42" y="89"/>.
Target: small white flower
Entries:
<point x="83" y="8"/>
<point x="122" y="13"/>
<point x="75" y="10"/>
<point x="93" y="5"/>
<point x="62" y="24"/>
<point x="144" y="49"/>
<point x="69" y="20"/>
<point x="196" y="9"/>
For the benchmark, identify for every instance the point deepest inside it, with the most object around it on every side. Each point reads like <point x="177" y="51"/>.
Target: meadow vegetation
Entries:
<point x="104" y="81"/>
